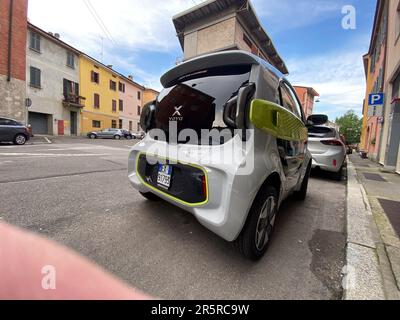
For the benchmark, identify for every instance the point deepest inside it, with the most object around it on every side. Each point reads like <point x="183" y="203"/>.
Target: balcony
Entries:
<point x="72" y="100"/>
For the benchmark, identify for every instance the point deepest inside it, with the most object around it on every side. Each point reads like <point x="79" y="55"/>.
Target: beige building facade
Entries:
<point x="218" y="25"/>
<point x="390" y="150"/>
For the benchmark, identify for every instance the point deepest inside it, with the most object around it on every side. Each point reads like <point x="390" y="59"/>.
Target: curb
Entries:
<point x="363" y="278"/>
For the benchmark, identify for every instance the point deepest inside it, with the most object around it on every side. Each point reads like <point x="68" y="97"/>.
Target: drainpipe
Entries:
<point x="10" y="25"/>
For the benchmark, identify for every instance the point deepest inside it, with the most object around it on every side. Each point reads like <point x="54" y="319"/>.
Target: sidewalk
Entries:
<point x="373" y="230"/>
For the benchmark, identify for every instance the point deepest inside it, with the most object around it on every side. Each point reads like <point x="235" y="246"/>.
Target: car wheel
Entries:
<point x="338" y="175"/>
<point x="20" y="139"/>
<point x="150" y="196"/>
<point x="256" y="235"/>
<point x="129" y="137"/>
<point x="301" y="195"/>
<point x="117" y="137"/>
<point x="92" y="136"/>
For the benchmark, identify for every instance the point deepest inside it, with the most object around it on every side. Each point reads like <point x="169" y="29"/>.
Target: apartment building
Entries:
<point x="130" y="103"/>
<point x="307" y="97"/>
<point x="99" y="85"/>
<point x="13" y="21"/>
<point x="218" y="25"/>
<point x="390" y="146"/>
<point x="374" y="63"/>
<point x="52" y="73"/>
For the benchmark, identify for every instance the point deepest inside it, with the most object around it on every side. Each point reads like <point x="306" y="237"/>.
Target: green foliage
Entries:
<point x="350" y="126"/>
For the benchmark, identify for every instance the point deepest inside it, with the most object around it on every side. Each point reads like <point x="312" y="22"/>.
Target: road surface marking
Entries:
<point x="54" y="155"/>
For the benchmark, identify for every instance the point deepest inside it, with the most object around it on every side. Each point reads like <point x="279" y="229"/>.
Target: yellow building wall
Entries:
<point x="370" y="85"/>
<point x="104" y="114"/>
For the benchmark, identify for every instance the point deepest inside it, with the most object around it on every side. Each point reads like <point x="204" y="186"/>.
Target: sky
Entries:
<point x="138" y="38"/>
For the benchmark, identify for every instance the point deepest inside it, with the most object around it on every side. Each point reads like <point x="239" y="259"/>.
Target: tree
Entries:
<point x="350" y="126"/>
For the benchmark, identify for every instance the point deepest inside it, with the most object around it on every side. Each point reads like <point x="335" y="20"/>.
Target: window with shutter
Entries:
<point x="95" y="77"/>
<point x="35" y="77"/>
<point x="34" y="41"/>
<point x="96" y="101"/>
<point x="121" y="105"/>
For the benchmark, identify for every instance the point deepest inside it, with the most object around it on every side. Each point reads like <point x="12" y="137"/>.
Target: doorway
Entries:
<point x="74" y="123"/>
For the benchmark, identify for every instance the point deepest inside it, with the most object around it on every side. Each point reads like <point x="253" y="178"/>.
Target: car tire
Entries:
<point x="301" y="195"/>
<point x="256" y="235"/>
<point x="129" y="137"/>
<point x="92" y="136"/>
<point x="338" y="175"/>
<point x="150" y="196"/>
<point x="117" y="137"/>
<point x="19" y="139"/>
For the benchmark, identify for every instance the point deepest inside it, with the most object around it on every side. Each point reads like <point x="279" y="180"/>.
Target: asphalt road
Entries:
<point x="76" y="192"/>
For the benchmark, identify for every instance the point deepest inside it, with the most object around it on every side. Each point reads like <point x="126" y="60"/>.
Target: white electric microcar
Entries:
<point x="234" y="179"/>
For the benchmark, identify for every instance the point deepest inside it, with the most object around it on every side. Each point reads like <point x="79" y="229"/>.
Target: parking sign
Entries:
<point x="376" y="99"/>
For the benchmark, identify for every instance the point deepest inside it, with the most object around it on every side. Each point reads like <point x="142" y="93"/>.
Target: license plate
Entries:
<point x="164" y="175"/>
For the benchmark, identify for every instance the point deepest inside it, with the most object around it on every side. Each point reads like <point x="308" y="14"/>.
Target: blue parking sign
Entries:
<point x="376" y="99"/>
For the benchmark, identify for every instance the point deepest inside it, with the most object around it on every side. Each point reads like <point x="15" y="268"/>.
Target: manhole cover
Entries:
<point x="373" y="176"/>
<point x="392" y="210"/>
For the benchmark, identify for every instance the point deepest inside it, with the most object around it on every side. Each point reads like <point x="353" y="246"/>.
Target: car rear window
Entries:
<point x="321" y="132"/>
<point x="197" y="100"/>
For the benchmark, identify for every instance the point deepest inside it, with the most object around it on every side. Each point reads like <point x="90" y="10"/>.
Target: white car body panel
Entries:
<point x="230" y="195"/>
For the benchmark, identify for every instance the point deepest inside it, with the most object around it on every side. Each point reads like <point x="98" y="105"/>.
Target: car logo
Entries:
<point x="177" y="112"/>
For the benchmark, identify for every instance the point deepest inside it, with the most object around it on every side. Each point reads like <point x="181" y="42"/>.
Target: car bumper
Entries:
<point x="327" y="160"/>
<point x="226" y="208"/>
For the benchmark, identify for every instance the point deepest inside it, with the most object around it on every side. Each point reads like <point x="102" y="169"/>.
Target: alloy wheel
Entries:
<point x="266" y="222"/>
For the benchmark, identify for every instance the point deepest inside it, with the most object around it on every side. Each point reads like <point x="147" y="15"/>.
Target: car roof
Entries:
<point x="9" y="119"/>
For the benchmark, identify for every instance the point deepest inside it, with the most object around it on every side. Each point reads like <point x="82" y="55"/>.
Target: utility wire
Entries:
<point x="99" y="21"/>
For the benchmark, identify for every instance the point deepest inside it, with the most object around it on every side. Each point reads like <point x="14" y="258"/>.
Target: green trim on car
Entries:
<point x="277" y="121"/>
<point x="166" y="194"/>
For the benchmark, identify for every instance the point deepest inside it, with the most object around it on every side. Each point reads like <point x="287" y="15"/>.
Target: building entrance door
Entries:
<point x="74" y="123"/>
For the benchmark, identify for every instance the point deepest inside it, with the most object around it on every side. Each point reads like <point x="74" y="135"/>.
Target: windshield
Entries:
<point x="321" y="132"/>
<point x="197" y="100"/>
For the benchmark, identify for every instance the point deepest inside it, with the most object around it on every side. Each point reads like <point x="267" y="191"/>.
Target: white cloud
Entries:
<point x="337" y="76"/>
<point x="137" y="26"/>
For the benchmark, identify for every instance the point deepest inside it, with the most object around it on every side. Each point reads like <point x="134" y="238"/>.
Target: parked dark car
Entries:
<point x="14" y="131"/>
<point x="127" y="134"/>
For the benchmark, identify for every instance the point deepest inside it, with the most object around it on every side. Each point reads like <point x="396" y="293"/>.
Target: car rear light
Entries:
<point x="334" y="162"/>
<point x="332" y="142"/>
<point x="204" y="185"/>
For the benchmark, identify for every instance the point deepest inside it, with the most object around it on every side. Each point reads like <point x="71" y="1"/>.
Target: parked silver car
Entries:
<point x="327" y="149"/>
<point x="116" y="134"/>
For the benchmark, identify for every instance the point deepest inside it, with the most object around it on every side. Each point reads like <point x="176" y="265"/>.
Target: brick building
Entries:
<point x="13" y="24"/>
<point x="307" y="97"/>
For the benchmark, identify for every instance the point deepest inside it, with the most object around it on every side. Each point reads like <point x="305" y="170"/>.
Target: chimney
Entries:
<point x="130" y="77"/>
<point x="57" y="35"/>
<point x="110" y="66"/>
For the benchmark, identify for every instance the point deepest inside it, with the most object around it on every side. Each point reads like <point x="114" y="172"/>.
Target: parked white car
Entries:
<point x="238" y="198"/>
<point x="327" y="149"/>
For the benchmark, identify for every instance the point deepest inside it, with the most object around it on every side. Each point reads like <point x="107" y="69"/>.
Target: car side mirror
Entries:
<point x="235" y="109"/>
<point x="147" y="116"/>
<point x="277" y="121"/>
<point x="317" y="120"/>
